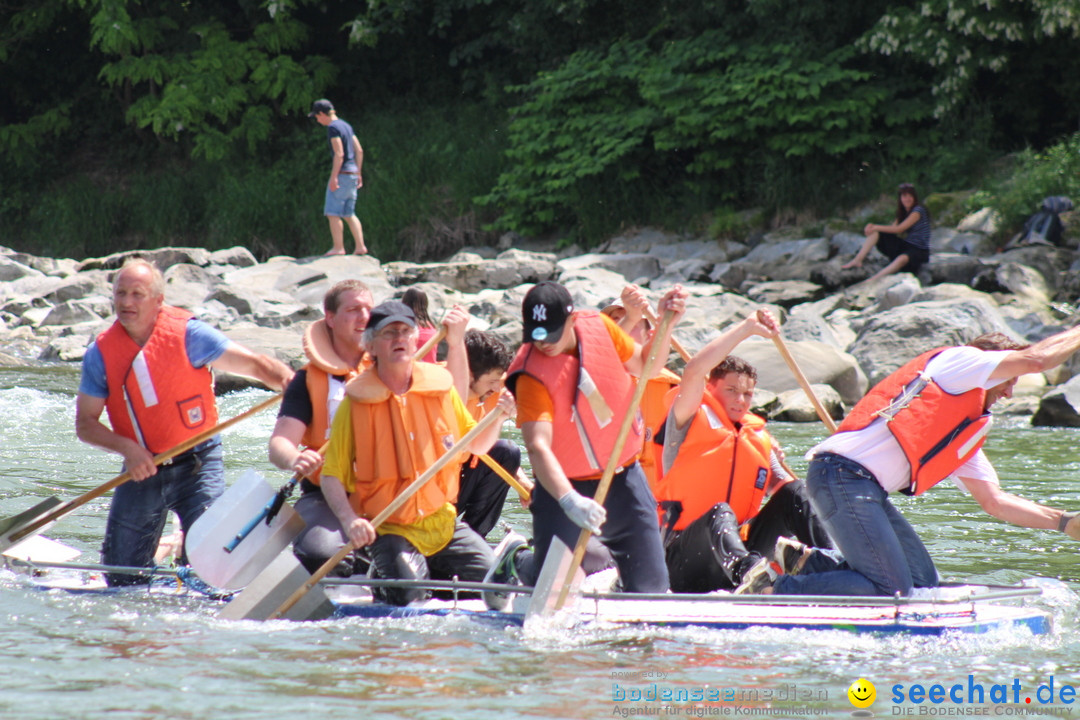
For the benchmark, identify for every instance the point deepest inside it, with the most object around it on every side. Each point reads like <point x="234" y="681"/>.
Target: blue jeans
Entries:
<point x="884" y="555"/>
<point x="188" y="486"/>
<point x="341" y="202"/>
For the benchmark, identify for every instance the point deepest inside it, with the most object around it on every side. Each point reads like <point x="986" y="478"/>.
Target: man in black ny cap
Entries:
<point x="347" y="159"/>
<point x="573" y="380"/>
<point x="398" y="417"/>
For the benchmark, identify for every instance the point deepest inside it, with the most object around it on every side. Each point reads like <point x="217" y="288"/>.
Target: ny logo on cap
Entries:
<point x="540" y="313"/>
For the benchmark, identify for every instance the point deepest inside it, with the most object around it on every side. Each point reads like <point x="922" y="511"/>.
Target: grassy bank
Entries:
<point x="422" y="167"/>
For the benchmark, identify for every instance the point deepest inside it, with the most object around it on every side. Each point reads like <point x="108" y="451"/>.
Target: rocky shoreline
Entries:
<point x="845" y="337"/>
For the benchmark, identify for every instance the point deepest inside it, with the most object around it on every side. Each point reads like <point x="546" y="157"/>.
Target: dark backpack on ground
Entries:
<point x="1044" y="227"/>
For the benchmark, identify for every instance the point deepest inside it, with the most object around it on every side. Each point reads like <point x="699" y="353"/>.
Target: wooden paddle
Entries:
<point x="683" y="352"/>
<point x="512" y="481"/>
<point x="26" y="525"/>
<point x="432" y="342"/>
<point x="804" y="384"/>
<point x="257" y="593"/>
<point x="613" y="459"/>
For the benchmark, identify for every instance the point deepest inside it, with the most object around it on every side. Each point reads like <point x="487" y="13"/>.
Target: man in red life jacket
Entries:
<point x="335" y="351"/>
<point x="151" y="372"/>
<point x="925" y="422"/>
<point x="573" y="382"/>
<point x="719" y="464"/>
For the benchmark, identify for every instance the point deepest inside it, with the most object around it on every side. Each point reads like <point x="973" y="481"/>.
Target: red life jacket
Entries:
<point x="937" y="431"/>
<point x="590" y="395"/>
<point x="718" y="462"/>
<point x="156" y="397"/>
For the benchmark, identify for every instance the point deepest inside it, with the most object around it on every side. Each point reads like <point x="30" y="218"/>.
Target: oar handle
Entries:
<point x="613" y="460"/>
<point x="390" y="509"/>
<point x="432" y="342"/>
<point x="683" y="352"/>
<point x="510" y="480"/>
<point x="804" y="383"/>
<point x="64" y="508"/>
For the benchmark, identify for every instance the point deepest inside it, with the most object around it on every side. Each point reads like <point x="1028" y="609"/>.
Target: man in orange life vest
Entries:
<point x="335" y="350"/>
<point x="572" y="379"/>
<point x="925" y="422"/>
<point x="398" y="417"/>
<point x="719" y="464"/>
<point x="151" y="372"/>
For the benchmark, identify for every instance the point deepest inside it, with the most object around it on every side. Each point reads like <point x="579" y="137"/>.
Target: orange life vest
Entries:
<point x="397" y="437"/>
<point x="718" y="462"/>
<point x="590" y="395"/>
<point x="156" y="397"/>
<point x="937" y="431"/>
<point x="654" y="408"/>
<point x="323" y="363"/>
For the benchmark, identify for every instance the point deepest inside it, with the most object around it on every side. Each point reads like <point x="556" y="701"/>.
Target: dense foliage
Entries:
<point x="131" y="123"/>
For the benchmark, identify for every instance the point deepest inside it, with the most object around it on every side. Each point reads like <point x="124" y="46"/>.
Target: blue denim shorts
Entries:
<point x="341" y="202"/>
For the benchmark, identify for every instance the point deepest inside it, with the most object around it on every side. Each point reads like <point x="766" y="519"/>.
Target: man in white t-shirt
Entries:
<point x="924" y="423"/>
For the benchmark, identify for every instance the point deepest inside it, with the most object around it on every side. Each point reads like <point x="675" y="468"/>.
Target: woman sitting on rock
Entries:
<point x="908" y="253"/>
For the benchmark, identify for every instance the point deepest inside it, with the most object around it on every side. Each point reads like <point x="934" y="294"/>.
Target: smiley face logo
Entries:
<point x="862" y="693"/>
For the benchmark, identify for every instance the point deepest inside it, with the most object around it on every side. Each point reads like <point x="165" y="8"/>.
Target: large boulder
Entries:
<point x="634" y="267"/>
<point x="786" y="259"/>
<point x="164" y="258"/>
<point x="13" y="270"/>
<point x="796" y="406"/>
<point x="785" y="293"/>
<point x="1011" y="277"/>
<point x="188" y="285"/>
<point x="889" y="339"/>
<point x="1060" y="407"/>
<point x="950" y="268"/>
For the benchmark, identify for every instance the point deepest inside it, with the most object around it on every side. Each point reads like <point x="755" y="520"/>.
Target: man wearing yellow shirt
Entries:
<point x="397" y="419"/>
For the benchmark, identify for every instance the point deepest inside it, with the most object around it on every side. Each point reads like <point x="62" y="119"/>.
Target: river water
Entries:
<point x="136" y="656"/>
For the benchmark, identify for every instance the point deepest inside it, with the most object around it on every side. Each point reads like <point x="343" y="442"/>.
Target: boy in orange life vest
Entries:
<point x="573" y="382"/>
<point x="925" y="422"/>
<point x="335" y="351"/>
<point x="628" y="312"/>
<point x="719" y="464"/>
<point x="398" y="417"/>
<point x="151" y="372"/>
<point x="483" y="492"/>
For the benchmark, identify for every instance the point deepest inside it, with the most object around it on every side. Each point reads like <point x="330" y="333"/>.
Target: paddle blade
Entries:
<point x="272" y="587"/>
<point x="40" y="549"/>
<point x="224" y="520"/>
<point x="14" y="523"/>
<point x="549" y="584"/>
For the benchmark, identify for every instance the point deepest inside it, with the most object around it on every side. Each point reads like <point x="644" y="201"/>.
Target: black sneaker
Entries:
<point x="756" y="579"/>
<point x="503" y="571"/>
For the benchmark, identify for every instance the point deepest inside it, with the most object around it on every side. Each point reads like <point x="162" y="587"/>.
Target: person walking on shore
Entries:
<point x="347" y="159"/>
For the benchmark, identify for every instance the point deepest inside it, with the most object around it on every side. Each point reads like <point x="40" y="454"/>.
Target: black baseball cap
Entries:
<point x="391" y="311"/>
<point x="544" y="312"/>
<point x="321" y="106"/>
